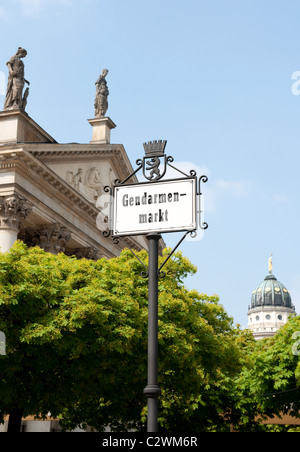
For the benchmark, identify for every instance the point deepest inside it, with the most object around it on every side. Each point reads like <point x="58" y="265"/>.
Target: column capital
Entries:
<point x="13" y="211"/>
<point x="51" y="238"/>
<point x="90" y="253"/>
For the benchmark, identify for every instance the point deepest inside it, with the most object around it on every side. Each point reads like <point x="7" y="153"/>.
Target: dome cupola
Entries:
<point x="271" y="292"/>
<point x="271" y="305"/>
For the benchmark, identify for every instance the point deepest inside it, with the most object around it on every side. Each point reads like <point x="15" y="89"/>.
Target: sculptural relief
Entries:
<point x="88" y="183"/>
<point x="101" y="103"/>
<point x="93" y="183"/>
<point x="14" y="94"/>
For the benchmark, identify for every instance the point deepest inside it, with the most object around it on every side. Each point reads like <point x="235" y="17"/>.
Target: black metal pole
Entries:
<point x="152" y="390"/>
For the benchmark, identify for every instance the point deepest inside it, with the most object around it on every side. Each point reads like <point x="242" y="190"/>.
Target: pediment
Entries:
<point x="88" y="178"/>
<point x="64" y="182"/>
<point x="86" y="168"/>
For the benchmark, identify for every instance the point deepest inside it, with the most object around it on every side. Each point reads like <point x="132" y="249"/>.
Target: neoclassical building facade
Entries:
<point x="51" y="194"/>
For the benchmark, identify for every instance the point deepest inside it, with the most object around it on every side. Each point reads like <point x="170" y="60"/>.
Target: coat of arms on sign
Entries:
<point x="154" y="162"/>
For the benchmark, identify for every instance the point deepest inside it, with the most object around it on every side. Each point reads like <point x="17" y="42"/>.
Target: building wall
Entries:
<point x="265" y="321"/>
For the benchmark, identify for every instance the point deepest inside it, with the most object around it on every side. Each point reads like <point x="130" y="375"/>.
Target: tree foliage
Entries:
<point x="269" y="383"/>
<point x="76" y="346"/>
<point x="76" y="334"/>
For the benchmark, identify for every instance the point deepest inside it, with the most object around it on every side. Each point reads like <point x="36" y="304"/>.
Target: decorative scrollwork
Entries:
<point x="106" y="233"/>
<point x="204" y="179"/>
<point x="107" y="189"/>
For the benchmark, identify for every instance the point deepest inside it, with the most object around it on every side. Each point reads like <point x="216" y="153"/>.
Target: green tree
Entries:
<point x="269" y="383"/>
<point x="76" y="346"/>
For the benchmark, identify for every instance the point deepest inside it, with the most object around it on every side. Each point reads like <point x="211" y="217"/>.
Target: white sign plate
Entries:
<point x="166" y="206"/>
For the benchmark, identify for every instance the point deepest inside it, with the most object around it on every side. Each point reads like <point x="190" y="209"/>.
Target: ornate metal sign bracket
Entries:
<point x="154" y="167"/>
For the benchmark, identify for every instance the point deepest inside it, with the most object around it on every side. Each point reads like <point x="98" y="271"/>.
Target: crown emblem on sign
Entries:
<point x="155" y="148"/>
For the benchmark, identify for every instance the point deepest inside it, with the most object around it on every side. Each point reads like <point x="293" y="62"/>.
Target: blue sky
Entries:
<point x="212" y="78"/>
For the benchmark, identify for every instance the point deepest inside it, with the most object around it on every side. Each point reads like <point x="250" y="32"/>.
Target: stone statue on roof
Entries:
<point x="101" y="103"/>
<point x="14" y="99"/>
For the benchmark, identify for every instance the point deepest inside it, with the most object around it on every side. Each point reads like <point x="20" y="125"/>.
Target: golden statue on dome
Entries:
<point x="270" y="264"/>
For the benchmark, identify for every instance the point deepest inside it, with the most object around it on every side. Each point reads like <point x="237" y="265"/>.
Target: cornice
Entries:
<point x="24" y="163"/>
<point x="50" y="153"/>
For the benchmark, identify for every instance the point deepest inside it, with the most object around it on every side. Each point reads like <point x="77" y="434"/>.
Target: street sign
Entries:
<point x="149" y="209"/>
<point x="167" y="206"/>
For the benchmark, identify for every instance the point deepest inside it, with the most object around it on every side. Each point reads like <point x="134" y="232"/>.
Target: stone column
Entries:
<point x="13" y="211"/>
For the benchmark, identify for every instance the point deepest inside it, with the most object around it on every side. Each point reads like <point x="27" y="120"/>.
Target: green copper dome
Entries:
<point x="271" y="293"/>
